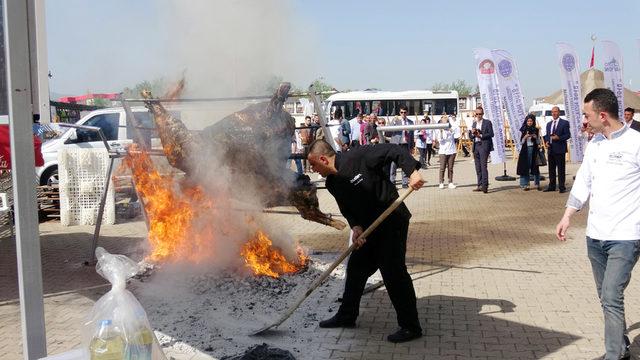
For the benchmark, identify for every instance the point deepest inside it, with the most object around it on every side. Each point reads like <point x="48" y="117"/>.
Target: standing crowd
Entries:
<point x="608" y="178"/>
<point x="362" y="130"/>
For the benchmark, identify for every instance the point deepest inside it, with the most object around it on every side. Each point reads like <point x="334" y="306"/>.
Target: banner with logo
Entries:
<point x="511" y="92"/>
<point x="613" y="73"/>
<point x="571" y="89"/>
<point x="490" y="95"/>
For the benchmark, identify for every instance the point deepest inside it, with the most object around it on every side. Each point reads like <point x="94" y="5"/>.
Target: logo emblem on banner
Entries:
<point x="505" y="68"/>
<point x="568" y="62"/>
<point x="486" y="67"/>
<point x="612" y="65"/>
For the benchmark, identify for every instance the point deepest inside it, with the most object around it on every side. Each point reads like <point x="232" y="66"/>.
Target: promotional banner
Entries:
<point x="511" y="92"/>
<point x="613" y="72"/>
<point x="569" y="66"/>
<point x="490" y="95"/>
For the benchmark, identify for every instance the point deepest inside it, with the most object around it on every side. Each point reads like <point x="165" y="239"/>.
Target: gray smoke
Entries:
<point x="228" y="49"/>
<point x="232" y="48"/>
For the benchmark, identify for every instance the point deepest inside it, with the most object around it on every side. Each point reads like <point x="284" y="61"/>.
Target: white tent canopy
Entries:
<point x="593" y="79"/>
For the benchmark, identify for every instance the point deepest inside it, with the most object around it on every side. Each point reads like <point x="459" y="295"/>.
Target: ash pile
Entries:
<point x="263" y="352"/>
<point x="213" y="312"/>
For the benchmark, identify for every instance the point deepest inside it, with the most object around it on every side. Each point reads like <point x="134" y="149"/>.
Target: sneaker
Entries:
<point x="336" y="322"/>
<point x="452" y="186"/>
<point x="404" y="335"/>
<point x="441" y="186"/>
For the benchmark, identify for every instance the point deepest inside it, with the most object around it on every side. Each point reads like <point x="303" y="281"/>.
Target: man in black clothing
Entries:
<point x="359" y="181"/>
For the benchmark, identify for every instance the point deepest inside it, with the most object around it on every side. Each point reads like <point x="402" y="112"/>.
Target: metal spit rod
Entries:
<point x="394" y="128"/>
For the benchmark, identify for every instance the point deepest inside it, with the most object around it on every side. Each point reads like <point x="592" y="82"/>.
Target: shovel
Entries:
<point x="327" y="272"/>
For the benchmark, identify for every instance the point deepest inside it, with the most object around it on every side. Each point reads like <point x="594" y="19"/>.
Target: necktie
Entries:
<point x="553" y="129"/>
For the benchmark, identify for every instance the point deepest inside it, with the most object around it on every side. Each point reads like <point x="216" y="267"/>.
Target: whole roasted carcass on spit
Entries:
<point x="255" y="143"/>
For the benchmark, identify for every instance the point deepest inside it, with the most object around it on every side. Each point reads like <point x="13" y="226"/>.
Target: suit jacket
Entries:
<point x="562" y="130"/>
<point x="635" y="125"/>
<point x="396" y="137"/>
<point x="486" y="140"/>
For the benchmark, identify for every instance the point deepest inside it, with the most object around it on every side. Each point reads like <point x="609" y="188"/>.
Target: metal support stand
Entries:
<point x="103" y="200"/>
<point x="505" y="177"/>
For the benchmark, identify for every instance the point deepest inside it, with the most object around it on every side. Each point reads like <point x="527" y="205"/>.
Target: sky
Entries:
<point x="229" y="47"/>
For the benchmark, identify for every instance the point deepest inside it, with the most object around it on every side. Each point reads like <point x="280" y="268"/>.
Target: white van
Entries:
<point x="114" y="126"/>
<point x="542" y="111"/>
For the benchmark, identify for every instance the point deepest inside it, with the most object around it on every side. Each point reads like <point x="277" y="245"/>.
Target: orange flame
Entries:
<point x="180" y="222"/>
<point x="260" y="256"/>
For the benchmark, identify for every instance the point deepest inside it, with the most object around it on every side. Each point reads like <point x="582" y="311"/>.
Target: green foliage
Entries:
<point x="459" y="85"/>
<point x="157" y="87"/>
<point x="101" y="102"/>
<point x="321" y="86"/>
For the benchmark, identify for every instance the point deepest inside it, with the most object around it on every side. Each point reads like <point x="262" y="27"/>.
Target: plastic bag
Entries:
<point x="117" y="327"/>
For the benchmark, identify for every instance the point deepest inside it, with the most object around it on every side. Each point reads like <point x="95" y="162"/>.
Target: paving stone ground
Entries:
<point x="491" y="280"/>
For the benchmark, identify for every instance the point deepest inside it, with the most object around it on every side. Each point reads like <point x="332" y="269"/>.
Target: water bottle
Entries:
<point x="107" y="343"/>
<point x="140" y="345"/>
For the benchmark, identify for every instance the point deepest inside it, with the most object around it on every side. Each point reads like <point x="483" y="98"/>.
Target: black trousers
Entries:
<point x="385" y="250"/>
<point x="429" y="153"/>
<point x="464" y="149"/>
<point x="480" y="157"/>
<point x="556" y="161"/>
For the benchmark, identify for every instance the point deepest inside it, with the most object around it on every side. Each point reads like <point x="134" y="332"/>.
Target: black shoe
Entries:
<point x="485" y="189"/>
<point x="336" y="322"/>
<point x="548" y="190"/>
<point x="562" y="191"/>
<point x="404" y="335"/>
<point x="478" y="189"/>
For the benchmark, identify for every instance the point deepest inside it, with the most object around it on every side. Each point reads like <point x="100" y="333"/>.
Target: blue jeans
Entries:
<point x="299" y="168"/>
<point x="524" y="179"/>
<point x="612" y="263"/>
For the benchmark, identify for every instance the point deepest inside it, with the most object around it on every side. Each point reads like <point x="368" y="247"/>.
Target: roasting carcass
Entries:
<point x="254" y="143"/>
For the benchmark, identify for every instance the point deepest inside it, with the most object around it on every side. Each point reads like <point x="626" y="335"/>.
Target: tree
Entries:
<point x="440" y="86"/>
<point x="323" y="88"/>
<point x="459" y="85"/>
<point x="101" y="102"/>
<point x="157" y="87"/>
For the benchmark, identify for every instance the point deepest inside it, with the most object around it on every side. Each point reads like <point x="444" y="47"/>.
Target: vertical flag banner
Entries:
<point x="511" y="92"/>
<point x="613" y="73"/>
<point x="490" y="95"/>
<point x="571" y="89"/>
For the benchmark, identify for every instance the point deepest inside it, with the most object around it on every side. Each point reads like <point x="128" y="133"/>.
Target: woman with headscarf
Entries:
<point x="527" y="160"/>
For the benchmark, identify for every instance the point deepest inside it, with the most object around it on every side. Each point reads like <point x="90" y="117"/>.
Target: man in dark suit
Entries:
<point x="556" y="142"/>
<point x="404" y="139"/>
<point x="628" y="118"/>
<point x="482" y="134"/>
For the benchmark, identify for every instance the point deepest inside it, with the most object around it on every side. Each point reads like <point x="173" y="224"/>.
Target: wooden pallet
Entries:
<point x="48" y="198"/>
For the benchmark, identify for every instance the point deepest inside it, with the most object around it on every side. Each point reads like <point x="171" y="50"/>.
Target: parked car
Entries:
<point x="113" y="123"/>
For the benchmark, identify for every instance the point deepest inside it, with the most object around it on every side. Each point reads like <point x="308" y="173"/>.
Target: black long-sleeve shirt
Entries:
<point x="362" y="186"/>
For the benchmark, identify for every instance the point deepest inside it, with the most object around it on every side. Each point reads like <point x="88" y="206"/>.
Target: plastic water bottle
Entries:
<point x="107" y="343"/>
<point x="140" y="345"/>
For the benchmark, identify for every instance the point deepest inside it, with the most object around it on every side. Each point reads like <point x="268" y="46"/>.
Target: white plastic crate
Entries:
<point x="82" y="174"/>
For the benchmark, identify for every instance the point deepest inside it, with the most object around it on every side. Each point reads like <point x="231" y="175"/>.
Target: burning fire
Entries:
<point x="181" y="225"/>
